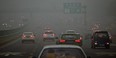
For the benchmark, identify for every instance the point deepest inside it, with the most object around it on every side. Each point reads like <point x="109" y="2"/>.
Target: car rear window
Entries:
<point x="70" y="36"/>
<point x="101" y="36"/>
<point x="48" y="32"/>
<point x="28" y="33"/>
<point x="62" y="53"/>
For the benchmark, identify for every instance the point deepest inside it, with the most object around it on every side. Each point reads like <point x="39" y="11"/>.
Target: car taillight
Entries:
<point x="24" y="36"/>
<point x="95" y="43"/>
<point x="107" y="43"/>
<point x="32" y="36"/>
<point x="78" y="40"/>
<point x="44" y="35"/>
<point x="62" y="41"/>
<point x="53" y="34"/>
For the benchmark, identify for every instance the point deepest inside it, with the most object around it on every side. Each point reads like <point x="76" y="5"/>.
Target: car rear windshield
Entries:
<point x="29" y="33"/>
<point x="101" y="36"/>
<point x="62" y="53"/>
<point x="70" y="36"/>
<point x="48" y="32"/>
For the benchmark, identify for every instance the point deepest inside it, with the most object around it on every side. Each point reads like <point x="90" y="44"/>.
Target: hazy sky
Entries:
<point x="52" y="10"/>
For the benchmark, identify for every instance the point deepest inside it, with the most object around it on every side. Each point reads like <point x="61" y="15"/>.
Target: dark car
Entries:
<point x="100" y="39"/>
<point x="73" y="39"/>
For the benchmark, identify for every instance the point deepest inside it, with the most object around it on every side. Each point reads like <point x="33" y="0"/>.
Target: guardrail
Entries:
<point x="4" y="33"/>
<point x="7" y="36"/>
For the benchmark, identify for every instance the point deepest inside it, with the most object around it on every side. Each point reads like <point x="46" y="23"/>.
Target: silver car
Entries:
<point x="62" y="51"/>
<point x="28" y="36"/>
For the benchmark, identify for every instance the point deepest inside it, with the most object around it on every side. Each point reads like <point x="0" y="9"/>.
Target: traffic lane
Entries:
<point x="101" y="52"/>
<point x="27" y="50"/>
<point x="17" y="49"/>
<point x="94" y="53"/>
<point x="42" y="44"/>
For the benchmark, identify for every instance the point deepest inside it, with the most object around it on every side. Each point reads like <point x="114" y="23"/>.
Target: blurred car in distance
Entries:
<point x="73" y="39"/>
<point x="62" y="51"/>
<point x="101" y="39"/>
<point x="28" y="36"/>
<point x="49" y="35"/>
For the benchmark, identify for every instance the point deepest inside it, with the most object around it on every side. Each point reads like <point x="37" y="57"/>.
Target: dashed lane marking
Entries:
<point x="11" y="53"/>
<point x="106" y="53"/>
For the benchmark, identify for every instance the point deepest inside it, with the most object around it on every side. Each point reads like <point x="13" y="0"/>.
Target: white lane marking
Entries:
<point x="106" y="53"/>
<point x="113" y="44"/>
<point x="31" y="55"/>
<point x="7" y="54"/>
<point x="12" y="53"/>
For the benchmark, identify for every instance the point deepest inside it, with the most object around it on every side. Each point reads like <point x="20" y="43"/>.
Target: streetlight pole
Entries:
<point x="85" y="20"/>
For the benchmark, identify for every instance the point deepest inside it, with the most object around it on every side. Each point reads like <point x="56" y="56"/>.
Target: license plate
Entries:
<point x="70" y="41"/>
<point x="101" y="44"/>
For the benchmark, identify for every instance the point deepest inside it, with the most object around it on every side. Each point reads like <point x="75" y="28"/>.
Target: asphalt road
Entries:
<point x="17" y="49"/>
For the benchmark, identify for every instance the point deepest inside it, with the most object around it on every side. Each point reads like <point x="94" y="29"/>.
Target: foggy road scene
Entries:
<point x="27" y="26"/>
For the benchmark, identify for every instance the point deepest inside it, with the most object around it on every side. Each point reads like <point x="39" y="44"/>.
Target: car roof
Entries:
<point x="62" y="46"/>
<point x="27" y="32"/>
<point x="102" y="31"/>
<point x="70" y="30"/>
<point x="70" y="33"/>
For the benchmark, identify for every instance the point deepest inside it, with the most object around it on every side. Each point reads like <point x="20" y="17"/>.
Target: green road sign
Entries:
<point x="72" y="8"/>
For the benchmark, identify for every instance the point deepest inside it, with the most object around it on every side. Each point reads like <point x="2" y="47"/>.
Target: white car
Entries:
<point x="62" y="51"/>
<point x="49" y="35"/>
<point x="28" y="36"/>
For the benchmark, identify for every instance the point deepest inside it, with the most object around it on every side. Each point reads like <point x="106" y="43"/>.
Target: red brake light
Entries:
<point x="78" y="41"/>
<point x="23" y="36"/>
<point x="62" y="40"/>
<point x="44" y="35"/>
<point x="32" y="36"/>
<point x="53" y="34"/>
<point x="80" y="38"/>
